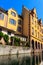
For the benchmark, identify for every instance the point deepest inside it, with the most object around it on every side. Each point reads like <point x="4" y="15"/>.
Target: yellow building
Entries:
<point x="11" y="23"/>
<point x="23" y="26"/>
<point x="32" y="27"/>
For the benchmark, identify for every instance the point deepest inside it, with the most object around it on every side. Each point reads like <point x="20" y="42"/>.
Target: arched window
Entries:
<point x="33" y="44"/>
<point x="36" y="44"/>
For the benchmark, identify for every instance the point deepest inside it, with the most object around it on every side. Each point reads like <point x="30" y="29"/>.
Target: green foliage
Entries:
<point x="6" y="38"/>
<point x="1" y="34"/>
<point x="15" y="40"/>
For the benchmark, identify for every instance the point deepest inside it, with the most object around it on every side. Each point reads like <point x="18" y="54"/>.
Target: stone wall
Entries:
<point x="8" y="50"/>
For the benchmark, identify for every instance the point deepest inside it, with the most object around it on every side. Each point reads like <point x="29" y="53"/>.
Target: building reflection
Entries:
<point x="23" y="59"/>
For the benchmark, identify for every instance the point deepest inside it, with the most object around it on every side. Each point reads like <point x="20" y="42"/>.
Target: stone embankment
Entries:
<point x="9" y="50"/>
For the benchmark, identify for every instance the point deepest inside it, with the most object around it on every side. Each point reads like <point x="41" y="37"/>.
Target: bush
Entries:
<point x="6" y="38"/>
<point x="1" y="35"/>
<point x="15" y="40"/>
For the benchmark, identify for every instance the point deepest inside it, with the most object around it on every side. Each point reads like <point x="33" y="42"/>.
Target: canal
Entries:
<point x="22" y="59"/>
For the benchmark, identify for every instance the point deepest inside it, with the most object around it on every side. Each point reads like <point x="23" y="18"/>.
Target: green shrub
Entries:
<point x="6" y="38"/>
<point x="1" y="35"/>
<point x="15" y="40"/>
<point x="16" y="44"/>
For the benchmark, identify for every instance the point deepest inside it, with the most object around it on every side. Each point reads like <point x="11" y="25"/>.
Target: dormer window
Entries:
<point x="1" y="16"/>
<point x="13" y="14"/>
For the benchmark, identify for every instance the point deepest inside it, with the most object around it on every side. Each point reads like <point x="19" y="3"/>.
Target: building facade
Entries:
<point x="26" y="26"/>
<point x="32" y="27"/>
<point x="11" y="23"/>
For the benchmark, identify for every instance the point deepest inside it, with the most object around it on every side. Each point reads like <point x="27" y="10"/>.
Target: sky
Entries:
<point x="17" y="5"/>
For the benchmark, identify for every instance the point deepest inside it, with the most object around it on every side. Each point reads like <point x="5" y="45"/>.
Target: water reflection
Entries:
<point x="23" y="59"/>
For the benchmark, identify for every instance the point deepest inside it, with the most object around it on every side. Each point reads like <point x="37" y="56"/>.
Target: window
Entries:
<point x="38" y="26"/>
<point x="13" y="13"/>
<point x="32" y="20"/>
<point x="32" y="31"/>
<point x="36" y="33"/>
<point x="42" y="37"/>
<point x="12" y="21"/>
<point x="35" y="24"/>
<point x="21" y="38"/>
<point x="41" y="46"/>
<point x="1" y="16"/>
<point x="42" y="31"/>
<point x="19" y="29"/>
<point x="38" y="45"/>
<point x="35" y="15"/>
<point x="19" y="22"/>
<point x="9" y="32"/>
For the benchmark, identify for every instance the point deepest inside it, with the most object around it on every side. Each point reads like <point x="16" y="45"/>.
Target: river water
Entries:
<point x="22" y="59"/>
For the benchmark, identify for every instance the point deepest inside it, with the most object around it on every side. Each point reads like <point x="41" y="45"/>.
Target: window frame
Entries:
<point x="32" y="20"/>
<point x="32" y="31"/>
<point x="13" y="13"/>
<point x="36" y="33"/>
<point x="19" y="30"/>
<point x="1" y="16"/>
<point x="12" y="22"/>
<point x="8" y="32"/>
<point x="19" y="22"/>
